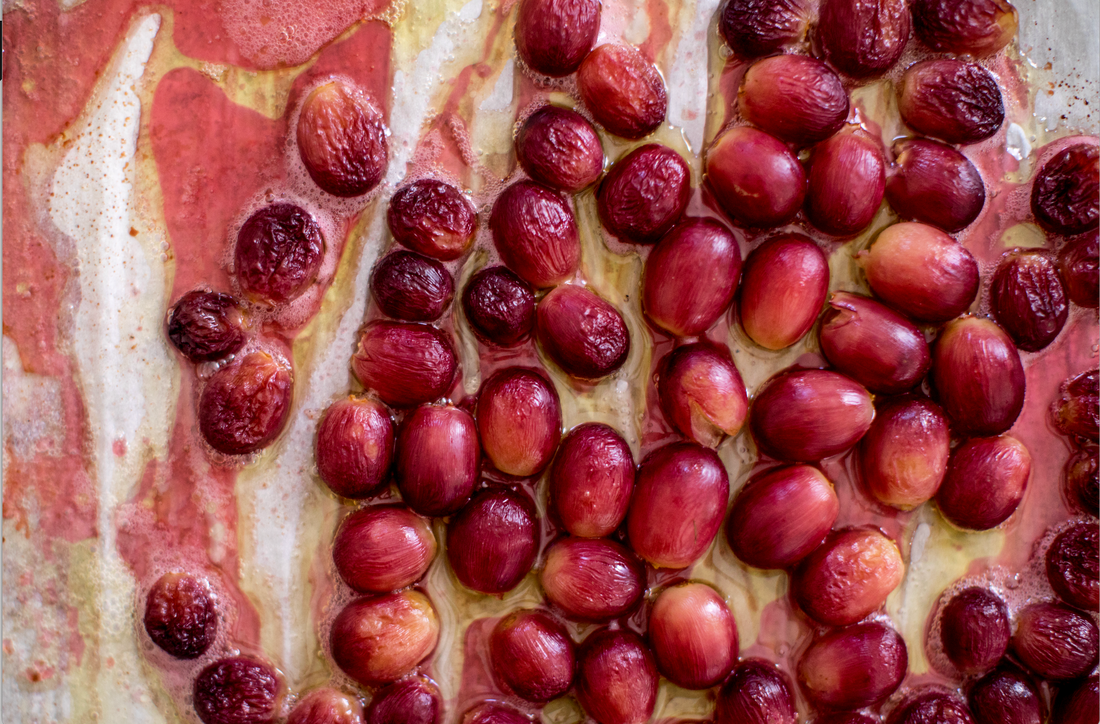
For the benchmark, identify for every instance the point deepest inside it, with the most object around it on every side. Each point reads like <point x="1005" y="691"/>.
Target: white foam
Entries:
<point x="118" y="350"/>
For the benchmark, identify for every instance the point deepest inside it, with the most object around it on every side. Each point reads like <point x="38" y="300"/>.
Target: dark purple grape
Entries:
<point x="1055" y="641"/>
<point x="846" y="182"/>
<point x="492" y="542"/>
<point x="1064" y="195"/>
<point x="644" y="194"/>
<point x="1006" y="696"/>
<point x="559" y="148"/>
<point x="1082" y="481"/>
<point x="755" y="178"/>
<point x="499" y="306"/>
<point x="406" y="364"/>
<point x="382" y="548"/>
<point x="1028" y="298"/>
<point x="409" y="701"/>
<point x="757" y="693"/>
<point x="974" y="630"/>
<point x="535" y="234"/>
<point x="438" y="459"/>
<point x="760" y="27"/>
<point x="795" y="98"/>
<point x="532" y="655"/>
<point x="206" y="326"/>
<point x="616" y="677"/>
<point x="278" y="253"/>
<point x="1073" y="566"/>
<point x="554" y="36"/>
<point x="591" y="480"/>
<point x="952" y="100"/>
<point x="985" y="482"/>
<point x="1078" y="702"/>
<point x="930" y="706"/>
<point x="854" y="666"/>
<point x="934" y="184"/>
<point x="237" y="690"/>
<point x="327" y="706"/>
<point x="978" y="376"/>
<point x="180" y="616"/>
<point x="582" y="332"/>
<point x="1079" y="260"/>
<point x="245" y="405"/>
<point x="411" y="287"/>
<point x="432" y="218"/>
<point x="1076" y="411"/>
<point x="973" y="27"/>
<point x="863" y="37"/>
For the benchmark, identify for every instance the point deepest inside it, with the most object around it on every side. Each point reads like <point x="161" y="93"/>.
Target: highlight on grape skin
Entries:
<point x="438" y="459"/>
<point x="535" y="234"/>
<point x="246" y="404"/>
<point x="807" y="415"/>
<point x="354" y="447"/>
<point x="693" y="635"/>
<point x="404" y="363"/>
<point x="680" y="496"/>
<point x="781" y="515"/>
<point x="492" y="542"/>
<point x="985" y="482"/>
<point x="532" y="655"/>
<point x="591" y="480"/>
<point x="701" y="392"/>
<point x="559" y="148"/>
<point x="519" y="421"/>
<point x="382" y="548"/>
<point x="342" y="140"/>
<point x="582" y="332"/>
<point x="691" y="277"/>
<point x="783" y="285"/>
<point x="380" y="639"/>
<point x="644" y="194"/>
<point x="868" y="563"/>
<point x="411" y="287"/>
<point x="433" y="218"/>
<point x="622" y="90"/>
<point x="872" y="344"/>
<point x="554" y="36"/>
<point x="934" y="184"/>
